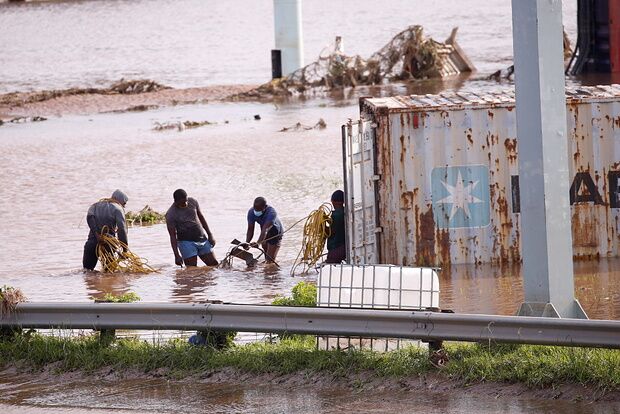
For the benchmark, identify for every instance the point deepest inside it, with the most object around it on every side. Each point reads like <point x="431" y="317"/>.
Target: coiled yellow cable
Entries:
<point x="115" y="256"/>
<point x="316" y="232"/>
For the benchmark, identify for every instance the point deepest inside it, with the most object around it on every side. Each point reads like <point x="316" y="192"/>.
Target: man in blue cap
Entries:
<point x="105" y="216"/>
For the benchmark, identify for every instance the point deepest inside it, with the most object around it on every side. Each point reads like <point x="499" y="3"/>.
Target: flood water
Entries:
<point x="25" y="395"/>
<point x="50" y="172"/>
<point x="181" y="43"/>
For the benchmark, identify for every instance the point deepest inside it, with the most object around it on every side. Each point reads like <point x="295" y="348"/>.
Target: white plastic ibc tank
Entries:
<point x="378" y="287"/>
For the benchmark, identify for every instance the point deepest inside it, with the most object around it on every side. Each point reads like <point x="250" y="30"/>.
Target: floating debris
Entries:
<point x="409" y="55"/>
<point x="257" y="117"/>
<point x="9" y="298"/>
<point x="122" y="87"/>
<point x="146" y="216"/>
<point x="180" y="125"/>
<point x="321" y="124"/>
<point x="129" y="297"/>
<point x="136" y="108"/>
<point x="508" y="73"/>
<point x="132" y="87"/>
<point x="24" y="119"/>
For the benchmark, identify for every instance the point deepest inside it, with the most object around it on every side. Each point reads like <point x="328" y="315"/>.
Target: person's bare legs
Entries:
<point x="191" y="261"/>
<point x="271" y="252"/>
<point x="209" y="259"/>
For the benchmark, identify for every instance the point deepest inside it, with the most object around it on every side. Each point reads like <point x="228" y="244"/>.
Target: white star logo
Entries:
<point x="460" y="196"/>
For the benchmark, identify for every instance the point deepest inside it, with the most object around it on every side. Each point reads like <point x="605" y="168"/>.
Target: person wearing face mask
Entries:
<point x="189" y="232"/>
<point x="271" y="229"/>
<point x="105" y="216"/>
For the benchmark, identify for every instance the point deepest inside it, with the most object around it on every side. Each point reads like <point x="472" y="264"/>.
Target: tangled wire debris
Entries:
<point x="409" y="55"/>
<point x="146" y="216"/>
<point x="115" y="256"/>
<point x="316" y="232"/>
<point x="9" y="298"/>
<point x="321" y="124"/>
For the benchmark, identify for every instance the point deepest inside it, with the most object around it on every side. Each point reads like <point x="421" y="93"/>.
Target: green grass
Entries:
<point x="535" y="366"/>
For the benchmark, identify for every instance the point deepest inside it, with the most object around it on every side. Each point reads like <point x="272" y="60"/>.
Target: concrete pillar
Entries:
<point x="289" y="38"/>
<point x="546" y="236"/>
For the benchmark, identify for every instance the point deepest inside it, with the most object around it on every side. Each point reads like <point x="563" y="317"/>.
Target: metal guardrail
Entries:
<point x="422" y="325"/>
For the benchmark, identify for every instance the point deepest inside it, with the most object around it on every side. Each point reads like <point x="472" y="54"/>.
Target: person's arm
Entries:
<point x="203" y="221"/>
<point x="172" y="231"/>
<point x="263" y="231"/>
<point x="91" y="221"/>
<point x="249" y="234"/>
<point x="121" y="225"/>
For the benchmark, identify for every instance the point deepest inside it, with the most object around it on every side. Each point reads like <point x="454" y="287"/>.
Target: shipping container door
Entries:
<point x="359" y="153"/>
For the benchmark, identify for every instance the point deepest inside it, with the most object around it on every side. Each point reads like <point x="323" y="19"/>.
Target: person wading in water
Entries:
<point x="107" y="215"/>
<point x="189" y="232"/>
<point x="271" y="229"/>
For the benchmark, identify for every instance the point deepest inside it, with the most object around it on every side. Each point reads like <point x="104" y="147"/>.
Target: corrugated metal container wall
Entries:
<point x="448" y="188"/>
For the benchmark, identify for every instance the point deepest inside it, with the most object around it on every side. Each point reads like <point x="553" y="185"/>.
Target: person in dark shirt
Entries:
<point x="271" y="229"/>
<point x="189" y="232"/>
<point x="336" y="249"/>
<point x="105" y="216"/>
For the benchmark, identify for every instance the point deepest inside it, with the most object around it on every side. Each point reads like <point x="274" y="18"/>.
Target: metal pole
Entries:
<point x="546" y="236"/>
<point x="289" y="39"/>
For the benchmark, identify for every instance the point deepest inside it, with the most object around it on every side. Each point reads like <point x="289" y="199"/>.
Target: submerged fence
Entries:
<point x="371" y="323"/>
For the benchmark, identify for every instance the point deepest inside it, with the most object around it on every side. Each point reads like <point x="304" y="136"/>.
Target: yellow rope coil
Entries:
<point x="115" y="256"/>
<point x="316" y="232"/>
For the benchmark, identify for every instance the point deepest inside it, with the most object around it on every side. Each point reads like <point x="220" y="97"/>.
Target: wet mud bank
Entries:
<point x="359" y="382"/>
<point x="122" y="96"/>
<point x="489" y="370"/>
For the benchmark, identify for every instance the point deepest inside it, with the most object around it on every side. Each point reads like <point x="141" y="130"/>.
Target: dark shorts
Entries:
<point x="274" y="236"/>
<point x="336" y="255"/>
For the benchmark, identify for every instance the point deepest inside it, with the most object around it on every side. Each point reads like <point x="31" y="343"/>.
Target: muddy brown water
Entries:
<point x="50" y="172"/>
<point x="24" y="394"/>
<point x="59" y="44"/>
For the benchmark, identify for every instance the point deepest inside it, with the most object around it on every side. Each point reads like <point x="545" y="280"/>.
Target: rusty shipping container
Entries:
<point x="433" y="179"/>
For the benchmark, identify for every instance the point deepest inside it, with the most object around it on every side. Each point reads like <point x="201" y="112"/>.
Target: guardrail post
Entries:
<point x="107" y="336"/>
<point x="546" y="236"/>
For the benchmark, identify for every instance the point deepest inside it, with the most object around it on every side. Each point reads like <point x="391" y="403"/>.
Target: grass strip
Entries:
<point x="534" y="366"/>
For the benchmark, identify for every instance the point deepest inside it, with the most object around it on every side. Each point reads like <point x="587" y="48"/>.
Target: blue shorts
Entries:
<point x="192" y="249"/>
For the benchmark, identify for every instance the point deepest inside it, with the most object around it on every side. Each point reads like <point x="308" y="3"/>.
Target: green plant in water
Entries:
<point x="146" y="216"/>
<point x="128" y="297"/>
<point x="303" y="294"/>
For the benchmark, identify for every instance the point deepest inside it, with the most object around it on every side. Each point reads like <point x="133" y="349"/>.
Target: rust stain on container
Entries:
<point x="425" y="237"/>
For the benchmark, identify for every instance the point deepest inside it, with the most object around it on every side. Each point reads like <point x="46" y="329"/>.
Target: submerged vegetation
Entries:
<point x="303" y="294"/>
<point x="146" y="216"/>
<point x="534" y="366"/>
<point x="128" y="297"/>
